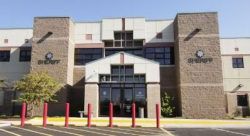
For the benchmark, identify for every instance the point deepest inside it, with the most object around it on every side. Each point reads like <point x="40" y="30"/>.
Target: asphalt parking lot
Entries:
<point x="117" y="131"/>
<point x="209" y="132"/>
<point x="78" y="131"/>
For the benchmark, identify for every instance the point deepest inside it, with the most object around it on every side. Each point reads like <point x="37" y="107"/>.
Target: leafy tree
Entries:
<point x="36" y="88"/>
<point x="166" y="109"/>
<point x="3" y="84"/>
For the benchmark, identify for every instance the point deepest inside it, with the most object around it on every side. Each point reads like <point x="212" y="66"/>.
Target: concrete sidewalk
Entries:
<point x="126" y="122"/>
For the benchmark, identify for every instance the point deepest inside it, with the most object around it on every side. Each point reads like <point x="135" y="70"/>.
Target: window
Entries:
<point x="124" y="39"/>
<point x="88" y="36"/>
<point x="6" y="40"/>
<point x="159" y="36"/>
<point x="122" y="74"/>
<point x="4" y="56"/>
<point x="83" y="56"/>
<point x="137" y="52"/>
<point x="238" y="63"/>
<point x="163" y="55"/>
<point x="1" y="97"/>
<point x="25" y="55"/>
<point x="242" y="100"/>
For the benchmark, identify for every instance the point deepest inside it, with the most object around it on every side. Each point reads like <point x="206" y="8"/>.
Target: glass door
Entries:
<point x="122" y="98"/>
<point x="116" y="100"/>
<point x="127" y="102"/>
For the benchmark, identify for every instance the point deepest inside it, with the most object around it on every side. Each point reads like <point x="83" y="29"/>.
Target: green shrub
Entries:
<point x="166" y="109"/>
<point x="16" y="116"/>
<point x="3" y="116"/>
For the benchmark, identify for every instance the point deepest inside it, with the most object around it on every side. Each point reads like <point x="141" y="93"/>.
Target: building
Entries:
<point x="131" y="60"/>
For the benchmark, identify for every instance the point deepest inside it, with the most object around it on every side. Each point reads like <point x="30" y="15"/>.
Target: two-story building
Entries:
<point x="131" y="60"/>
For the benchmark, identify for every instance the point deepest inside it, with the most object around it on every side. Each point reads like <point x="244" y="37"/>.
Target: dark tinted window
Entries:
<point x="4" y="56"/>
<point x="122" y="73"/>
<point x="25" y="55"/>
<point x="242" y="100"/>
<point x="137" y="52"/>
<point x="83" y="56"/>
<point x="238" y="63"/>
<point x="163" y="55"/>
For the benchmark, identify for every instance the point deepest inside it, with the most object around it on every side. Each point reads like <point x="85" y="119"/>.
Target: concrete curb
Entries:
<point x="5" y="125"/>
<point x="126" y="122"/>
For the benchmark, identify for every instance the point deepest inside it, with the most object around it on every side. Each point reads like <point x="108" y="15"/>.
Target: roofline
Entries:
<point x="88" y="22"/>
<point x="124" y="53"/>
<point x="209" y="12"/>
<point x="234" y="37"/>
<point x="160" y="20"/>
<point x="16" y="28"/>
<point x="52" y="17"/>
<point x="120" y="17"/>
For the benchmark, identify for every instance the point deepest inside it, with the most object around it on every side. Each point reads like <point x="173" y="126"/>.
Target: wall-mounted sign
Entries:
<point x="199" y="58"/>
<point x="48" y="59"/>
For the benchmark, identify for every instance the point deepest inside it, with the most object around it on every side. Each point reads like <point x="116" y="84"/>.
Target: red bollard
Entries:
<point x="111" y="115"/>
<point x="133" y="115"/>
<point x="67" y="115"/>
<point x="89" y="115"/>
<point x="157" y="115"/>
<point x="45" y="111"/>
<point x="23" y="114"/>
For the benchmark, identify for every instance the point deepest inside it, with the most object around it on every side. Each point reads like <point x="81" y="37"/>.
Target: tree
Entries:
<point x="36" y="88"/>
<point x="166" y="109"/>
<point x="4" y="84"/>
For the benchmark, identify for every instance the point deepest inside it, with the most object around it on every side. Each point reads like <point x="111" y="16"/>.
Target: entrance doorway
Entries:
<point x="122" y="98"/>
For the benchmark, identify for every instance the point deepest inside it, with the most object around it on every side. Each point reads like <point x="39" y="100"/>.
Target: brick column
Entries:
<point x="153" y="98"/>
<point x="231" y="102"/>
<point x="200" y="84"/>
<point x="92" y="96"/>
<point x="54" y="35"/>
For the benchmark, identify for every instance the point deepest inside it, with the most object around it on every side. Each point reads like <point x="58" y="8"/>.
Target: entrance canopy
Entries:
<point x="141" y="66"/>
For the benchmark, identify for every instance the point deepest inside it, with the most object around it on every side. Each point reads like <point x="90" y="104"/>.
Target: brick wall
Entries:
<point x="169" y="85"/>
<point x="200" y="85"/>
<point x="54" y="35"/>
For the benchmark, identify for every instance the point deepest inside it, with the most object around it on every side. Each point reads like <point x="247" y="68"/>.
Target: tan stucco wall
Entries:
<point x="234" y="76"/>
<point x="13" y="70"/>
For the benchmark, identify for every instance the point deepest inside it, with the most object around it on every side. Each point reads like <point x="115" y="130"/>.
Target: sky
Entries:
<point x="234" y="15"/>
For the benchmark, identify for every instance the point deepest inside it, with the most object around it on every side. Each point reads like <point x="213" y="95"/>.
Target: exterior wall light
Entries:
<point x="240" y="85"/>
<point x="50" y="32"/>
<point x="198" y="29"/>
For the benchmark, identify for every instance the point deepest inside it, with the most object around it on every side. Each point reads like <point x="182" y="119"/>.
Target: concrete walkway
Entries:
<point x="126" y="122"/>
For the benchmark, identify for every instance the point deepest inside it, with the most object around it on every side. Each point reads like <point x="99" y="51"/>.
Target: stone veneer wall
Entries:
<point x="231" y="103"/>
<point x="61" y="44"/>
<point x="200" y="86"/>
<point x="77" y="94"/>
<point x="153" y="98"/>
<point x="92" y="97"/>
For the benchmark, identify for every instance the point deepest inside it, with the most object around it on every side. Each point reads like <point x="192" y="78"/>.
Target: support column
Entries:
<point x="153" y="98"/>
<point x="199" y="66"/>
<point x="231" y="102"/>
<point x="91" y="96"/>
